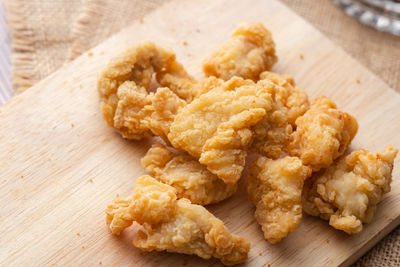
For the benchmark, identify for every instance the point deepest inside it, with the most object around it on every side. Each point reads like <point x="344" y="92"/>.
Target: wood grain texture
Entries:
<point x="54" y="140"/>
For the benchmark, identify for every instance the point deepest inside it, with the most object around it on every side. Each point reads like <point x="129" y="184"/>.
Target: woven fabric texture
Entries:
<point x="47" y="33"/>
<point x="100" y="19"/>
<point x="40" y="32"/>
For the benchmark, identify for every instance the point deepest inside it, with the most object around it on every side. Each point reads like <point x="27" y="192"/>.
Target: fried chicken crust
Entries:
<point x="274" y="187"/>
<point x="174" y="225"/>
<point x="216" y="127"/>
<point x="140" y="114"/>
<point x="323" y="133"/>
<point x="133" y="69"/>
<point x="347" y="192"/>
<point x="183" y="172"/>
<point x="273" y="133"/>
<point x="248" y="52"/>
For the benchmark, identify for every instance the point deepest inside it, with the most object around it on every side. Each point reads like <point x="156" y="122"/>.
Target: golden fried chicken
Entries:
<point x="174" y="225"/>
<point x="216" y="126"/>
<point x="133" y="70"/>
<point x="274" y="187"/>
<point x="183" y="172"/>
<point x="248" y="52"/>
<point x="140" y="114"/>
<point x="288" y="95"/>
<point x="184" y="85"/>
<point x="323" y="133"/>
<point x="272" y="135"/>
<point x="347" y="192"/>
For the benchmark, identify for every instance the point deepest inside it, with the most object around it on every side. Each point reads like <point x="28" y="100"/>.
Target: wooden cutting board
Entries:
<point x="61" y="165"/>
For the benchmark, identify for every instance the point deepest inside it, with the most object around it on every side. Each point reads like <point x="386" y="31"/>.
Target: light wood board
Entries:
<point x="53" y="141"/>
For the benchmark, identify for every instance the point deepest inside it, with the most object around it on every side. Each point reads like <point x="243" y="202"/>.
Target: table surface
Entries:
<point x="5" y="63"/>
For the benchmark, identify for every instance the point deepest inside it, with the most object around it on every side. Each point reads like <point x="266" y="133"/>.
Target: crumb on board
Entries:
<point x="301" y="56"/>
<point x="90" y="53"/>
<point x="260" y="254"/>
<point x="100" y="263"/>
<point x="78" y="234"/>
<point x="357" y="80"/>
<point x="141" y="19"/>
<point x="22" y="176"/>
<point x="91" y="180"/>
<point x="83" y="246"/>
<point x="81" y="86"/>
<point x="327" y="241"/>
<point x="184" y="42"/>
<point x="72" y="125"/>
<point x="117" y="195"/>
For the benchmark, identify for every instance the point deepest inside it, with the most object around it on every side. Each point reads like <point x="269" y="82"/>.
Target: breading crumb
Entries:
<point x="358" y="80"/>
<point x="83" y="246"/>
<point x="90" y="53"/>
<point x="22" y="176"/>
<point x="184" y="43"/>
<point x="72" y="125"/>
<point x="141" y="20"/>
<point x="91" y="180"/>
<point x="301" y="56"/>
<point x="78" y="234"/>
<point x="100" y="263"/>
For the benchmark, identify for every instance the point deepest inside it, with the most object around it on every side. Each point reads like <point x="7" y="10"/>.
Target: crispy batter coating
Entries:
<point x="323" y="133"/>
<point x="248" y="52"/>
<point x="133" y="70"/>
<point x="183" y="172"/>
<point x="216" y="127"/>
<point x="274" y="187"/>
<point x="140" y="114"/>
<point x="272" y="135"/>
<point x="186" y="86"/>
<point x="347" y="192"/>
<point x="288" y="95"/>
<point x="164" y="106"/>
<point x="174" y="225"/>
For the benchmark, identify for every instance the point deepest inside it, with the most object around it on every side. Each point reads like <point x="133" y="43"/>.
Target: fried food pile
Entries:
<point x="209" y="128"/>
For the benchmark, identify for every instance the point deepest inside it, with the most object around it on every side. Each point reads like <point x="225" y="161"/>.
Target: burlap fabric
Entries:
<point x="101" y="18"/>
<point x="40" y="34"/>
<point x="47" y="33"/>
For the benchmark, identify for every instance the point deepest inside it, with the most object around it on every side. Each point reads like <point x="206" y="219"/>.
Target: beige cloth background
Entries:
<point x="40" y="34"/>
<point x="48" y="33"/>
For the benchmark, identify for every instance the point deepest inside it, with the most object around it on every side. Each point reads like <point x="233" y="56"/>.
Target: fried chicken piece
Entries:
<point x="274" y="187"/>
<point x="133" y="70"/>
<point x="273" y="134"/>
<point x="186" y="86"/>
<point x="140" y="114"/>
<point x="248" y="52"/>
<point x="174" y="225"/>
<point x="288" y="95"/>
<point x="183" y="172"/>
<point x="347" y="192"/>
<point x="323" y="134"/>
<point x="216" y="126"/>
